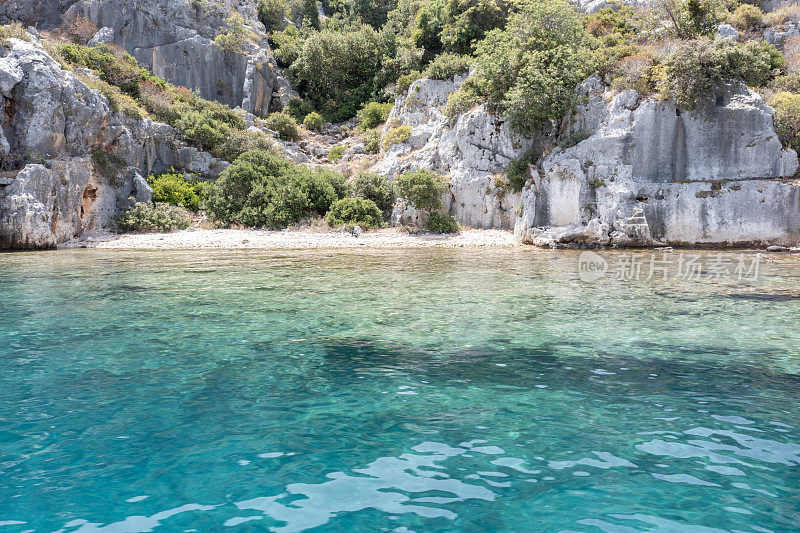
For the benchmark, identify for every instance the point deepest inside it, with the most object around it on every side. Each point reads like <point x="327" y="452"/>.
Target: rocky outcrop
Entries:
<point x="652" y="173"/>
<point x="174" y="39"/>
<point x="473" y="151"/>
<point x="44" y="13"/>
<point x="648" y="173"/>
<point x="67" y="161"/>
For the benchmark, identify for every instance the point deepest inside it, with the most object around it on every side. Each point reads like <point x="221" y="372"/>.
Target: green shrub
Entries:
<point x="313" y="121"/>
<point x="746" y="17"/>
<point x="241" y="141"/>
<point x="201" y="130"/>
<point x="462" y="100"/>
<point x="692" y="18"/>
<point x="421" y="189"/>
<point x="338" y="71"/>
<point x="236" y="34"/>
<point x="441" y="223"/>
<point x="355" y="211"/>
<point x="112" y="63"/>
<point x="108" y="165"/>
<point x="132" y="90"/>
<point x="372" y="141"/>
<point x="174" y="188"/>
<point x="405" y="81"/>
<point x="321" y="187"/>
<point x="117" y="100"/>
<point x="265" y="189"/>
<point x="145" y="217"/>
<point x="790" y="83"/>
<point x="373" y="114"/>
<point x="336" y="153"/>
<point x="284" y="125"/>
<point x="698" y="69"/>
<point x="271" y="13"/>
<point x="376" y="188"/>
<point x="288" y="44"/>
<point x="637" y="71"/>
<point x="396" y="135"/>
<point x="787" y="118"/>
<point x="446" y="66"/>
<point x="299" y="108"/>
<point x="530" y="69"/>
<point x="518" y="171"/>
<point x="15" y="30"/>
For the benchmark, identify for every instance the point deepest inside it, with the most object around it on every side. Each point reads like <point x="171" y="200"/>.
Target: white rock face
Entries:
<point x="48" y="115"/>
<point x="648" y="173"/>
<point x="652" y="173"/>
<point x="174" y="40"/>
<point x="472" y="151"/>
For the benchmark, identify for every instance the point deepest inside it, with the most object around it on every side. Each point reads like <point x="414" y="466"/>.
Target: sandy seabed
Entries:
<point x="297" y="239"/>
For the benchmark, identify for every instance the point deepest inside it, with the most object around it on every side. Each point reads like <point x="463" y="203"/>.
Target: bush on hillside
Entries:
<point x="112" y="63"/>
<point x="265" y="189"/>
<point x="373" y="114"/>
<point x="338" y="71"/>
<point x="313" y="121"/>
<point x="376" y="188"/>
<point x="146" y="217"/>
<point x="447" y="65"/>
<point x="235" y="35"/>
<point x="174" y="188"/>
<point x="698" y="69"/>
<point x="787" y="118"/>
<point x="421" y="189"/>
<point x="396" y="135"/>
<point x="284" y="125"/>
<point x="441" y="223"/>
<point x="529" y="71"/>
<point x="336" y="153"/>
<point x="355" y="211"/>
<point x="746" y="17"/>
<point x="518" y="171"/>
<point x="271" y="13"/>
<point x="693" y="18"/>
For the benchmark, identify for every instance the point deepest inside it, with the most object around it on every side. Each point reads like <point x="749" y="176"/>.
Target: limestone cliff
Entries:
<point x="648" y="172"/>
<point x="67" y="161"/>
<point x="175" y="40"/>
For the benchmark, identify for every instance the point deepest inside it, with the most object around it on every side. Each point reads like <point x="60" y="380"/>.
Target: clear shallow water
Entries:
<point x="399" y="391"/>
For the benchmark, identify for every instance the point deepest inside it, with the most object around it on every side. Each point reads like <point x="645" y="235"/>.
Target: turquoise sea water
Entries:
<point x="415" y="390"/>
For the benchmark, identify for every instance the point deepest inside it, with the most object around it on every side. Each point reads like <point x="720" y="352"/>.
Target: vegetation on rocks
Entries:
<point x="422" y="189"/>
<point x="351" y="212"/>
<point x="174" y="188"/>
<point x="376" y="188"/>
<point x="787" y="118"/>
<point x="160" y="217"/>
<point x="284" y="124"/>
<point x="441" y="223"/>
<point x="262" y="189"/>
<point x="134" y="91"/>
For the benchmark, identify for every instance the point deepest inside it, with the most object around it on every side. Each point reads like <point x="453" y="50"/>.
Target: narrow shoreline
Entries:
<point x="200" y="239"/>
